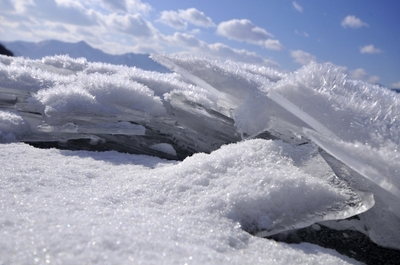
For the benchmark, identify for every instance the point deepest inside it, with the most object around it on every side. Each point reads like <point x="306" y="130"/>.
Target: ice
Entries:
<point x="298" y="112"/>
<point x="109" y="207"/>
<point x="56" y="91"/>
<point x="12" y="125"/>
<point x="357" y="118"/>
<point x="64" y="63"/>
<point x="362" y="134"/>
<point x="243" y="86"/>
<point x="332" y="153"/>
<point x="123" y="128"/>
<point x="360" y="157"/>
<point x="165" y="148"/>
<point x="363" y="112"/>
<point x="101" y="95"/>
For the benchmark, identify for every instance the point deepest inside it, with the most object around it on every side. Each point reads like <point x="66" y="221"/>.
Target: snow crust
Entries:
<point x="79" y="205"/>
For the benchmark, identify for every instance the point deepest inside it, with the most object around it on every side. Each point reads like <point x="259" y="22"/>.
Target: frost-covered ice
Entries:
<point x="89" y="207"/>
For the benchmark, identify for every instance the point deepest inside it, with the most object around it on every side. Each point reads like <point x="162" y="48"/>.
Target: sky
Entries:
<point x="362" y="37"/>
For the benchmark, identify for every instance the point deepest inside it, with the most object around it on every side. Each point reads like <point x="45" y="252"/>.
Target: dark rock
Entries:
<point x="350" y="243"/>
<point x="5" y="51"/>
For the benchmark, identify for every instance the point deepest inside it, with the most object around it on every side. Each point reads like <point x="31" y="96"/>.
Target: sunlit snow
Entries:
<point x="329" y="152"/>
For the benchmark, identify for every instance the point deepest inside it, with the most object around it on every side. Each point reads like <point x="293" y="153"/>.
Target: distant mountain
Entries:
<point x="37" y="50"/>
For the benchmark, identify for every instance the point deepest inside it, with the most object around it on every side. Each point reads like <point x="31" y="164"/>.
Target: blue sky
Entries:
<point x="361" y="36"/>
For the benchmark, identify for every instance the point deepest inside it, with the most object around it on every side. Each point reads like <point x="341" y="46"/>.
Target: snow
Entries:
<point x="89" y="207"/>
<point x="329" y="154"/>
<point x="11" y="124"/>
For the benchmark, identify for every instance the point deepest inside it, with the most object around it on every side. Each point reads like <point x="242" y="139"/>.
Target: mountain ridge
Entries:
<point x="38" y="50"/>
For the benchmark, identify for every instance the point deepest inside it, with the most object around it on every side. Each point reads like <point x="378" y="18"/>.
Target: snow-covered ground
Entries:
<point x="329" y="152"/>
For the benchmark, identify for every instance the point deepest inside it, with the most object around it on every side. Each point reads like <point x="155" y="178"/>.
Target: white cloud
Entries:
<point x="370" y="49"/>
<point x="305" y="34"/>
<point x="91" y="20"/>
<point x="243" y="30"/>
<point x="115" y="4"/>
<point x="131" y="6"/>
<point x="64" y="11"/>
<point x="396" y="85"/>
<point x="179" y="19"/>
<point x="133" y="25"/>
<point x="302" y="57"/>
<point x="358" y="74"/>
<point x="341" y="68"/>
<point x="353" y="22"/>
<point x="185" y="40"/>
<point x="196" y="17"/>
<point x="273" y="45"/>
<point x="172" y="19"/>
<point x="297" y="7"/>
<point x="217" y="50"/>
<point x="361" y="74"/>
<point x="137" y="6"/>
<point x="223" y="51"/>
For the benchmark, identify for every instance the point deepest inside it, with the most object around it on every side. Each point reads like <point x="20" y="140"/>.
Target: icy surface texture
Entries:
<point x="84" y="207"/>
